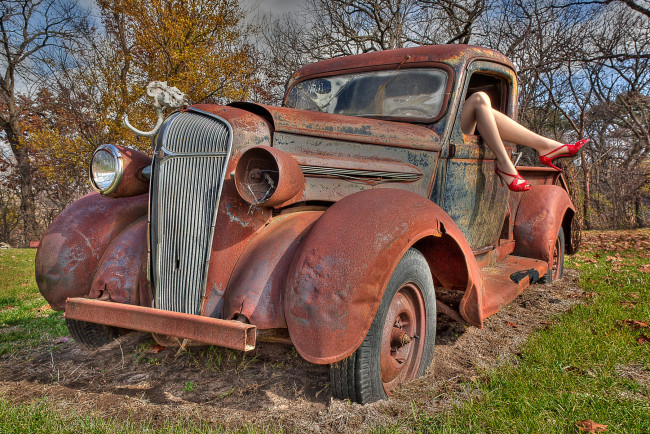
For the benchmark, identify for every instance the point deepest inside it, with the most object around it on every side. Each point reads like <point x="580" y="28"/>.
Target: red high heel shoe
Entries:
<point x="573" y="149"/>
<point x="517" y="184"/>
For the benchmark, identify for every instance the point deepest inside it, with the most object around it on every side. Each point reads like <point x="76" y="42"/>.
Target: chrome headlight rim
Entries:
<point x="119" y="168"/>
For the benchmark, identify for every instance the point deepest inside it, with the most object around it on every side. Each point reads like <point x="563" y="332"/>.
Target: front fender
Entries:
<point x="121" y="275"/>
<point x="256" y="288"/>
<point x="70" y="250"/>
<point x="541" y="212"/>
<point x="341" y="269"/>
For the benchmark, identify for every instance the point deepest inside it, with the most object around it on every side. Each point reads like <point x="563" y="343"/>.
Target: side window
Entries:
<point x="493" y="85"/>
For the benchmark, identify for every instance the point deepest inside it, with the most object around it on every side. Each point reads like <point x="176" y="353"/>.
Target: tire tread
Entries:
<point x="90" y="335"/>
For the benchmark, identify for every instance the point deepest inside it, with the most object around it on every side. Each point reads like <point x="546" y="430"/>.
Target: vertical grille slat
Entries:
<point x="186" y="185"/>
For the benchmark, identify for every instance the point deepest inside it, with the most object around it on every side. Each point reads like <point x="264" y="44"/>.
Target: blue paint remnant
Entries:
<point x="234" y="218"/>
<point x="418" y="159"/>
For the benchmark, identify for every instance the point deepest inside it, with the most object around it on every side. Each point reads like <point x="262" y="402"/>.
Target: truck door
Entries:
<point x="473" y="195"/>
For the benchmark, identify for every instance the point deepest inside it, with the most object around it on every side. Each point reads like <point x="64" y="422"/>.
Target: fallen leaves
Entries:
<point x="575" y="370"/>
<point x="633" y="323"/>
<point x="645" y="268"/>
<point x="615" y="241"/>
<point x="636" y="325"/>
<point x="627" y="303"/>
<point x="156" y="349"/>
<point x="513" y="325"/>
<point x="590" y="426"/>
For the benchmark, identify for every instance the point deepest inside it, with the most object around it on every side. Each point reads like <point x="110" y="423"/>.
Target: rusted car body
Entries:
<point x="256" y="223"/>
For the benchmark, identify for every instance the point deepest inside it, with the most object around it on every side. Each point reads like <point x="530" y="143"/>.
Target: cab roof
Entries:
<point x="454" y="55"/>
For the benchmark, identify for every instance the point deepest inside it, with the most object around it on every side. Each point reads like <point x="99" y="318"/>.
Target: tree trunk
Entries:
<point x="638" y="212"/>
<point x="31" y="230"/>
<point x="586" y="206"/>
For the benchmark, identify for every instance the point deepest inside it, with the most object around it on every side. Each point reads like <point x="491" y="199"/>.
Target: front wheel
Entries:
<point x="399" y="344"/>
<point x="90" y="335"/>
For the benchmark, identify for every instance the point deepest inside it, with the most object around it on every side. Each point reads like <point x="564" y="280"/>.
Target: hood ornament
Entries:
<point x="163" y="97"/>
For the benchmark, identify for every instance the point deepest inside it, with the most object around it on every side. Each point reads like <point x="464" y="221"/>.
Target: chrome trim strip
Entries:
<point x="357" y="173"/>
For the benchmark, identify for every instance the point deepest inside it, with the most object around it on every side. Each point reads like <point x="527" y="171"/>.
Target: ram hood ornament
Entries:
<point x="163" y="97"/>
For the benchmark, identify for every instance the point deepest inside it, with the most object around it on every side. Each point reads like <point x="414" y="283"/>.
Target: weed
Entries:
<point x="140" y="353"/>
<point x="189" y="386"/>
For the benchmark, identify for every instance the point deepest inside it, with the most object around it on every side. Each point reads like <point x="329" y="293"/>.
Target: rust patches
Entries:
<point x="71" y="248"/>
<point x="121" y="273"/>
<point x="256" y="288"/>
<point x="132" y="183"/>
<point x="539" y="216"/>
<point x="340" y="127"/>
<point x="268" y="177"/>
<point x="343" y="265"/>
<point x="237" y="224"/>
<point x="212" y="331"/>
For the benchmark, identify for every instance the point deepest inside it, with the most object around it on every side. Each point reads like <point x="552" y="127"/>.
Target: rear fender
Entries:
<point x="541" y="212"/>
<point x="341" y="269"/>
<point x="73" y="245"/>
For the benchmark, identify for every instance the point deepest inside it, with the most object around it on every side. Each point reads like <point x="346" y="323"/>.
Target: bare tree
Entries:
<point x="30" y="31"/>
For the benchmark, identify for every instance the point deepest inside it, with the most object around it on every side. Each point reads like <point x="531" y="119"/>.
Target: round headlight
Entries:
<point x="106" y="169"/>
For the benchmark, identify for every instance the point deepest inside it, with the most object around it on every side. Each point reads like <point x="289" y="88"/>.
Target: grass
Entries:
<point x="587" y="366"/>
<point x="25" y="317"/>
<point x="39" y="417"/>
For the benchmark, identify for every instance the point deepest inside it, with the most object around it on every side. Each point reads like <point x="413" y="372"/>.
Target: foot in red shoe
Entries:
<point x="572" y="149"/>
<point x="517" y="184"/>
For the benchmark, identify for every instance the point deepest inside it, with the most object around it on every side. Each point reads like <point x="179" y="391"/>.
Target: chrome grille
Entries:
<point x="190" y="160"/>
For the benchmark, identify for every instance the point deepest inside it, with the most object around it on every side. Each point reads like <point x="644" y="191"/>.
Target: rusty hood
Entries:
<point x="348" y="128"/>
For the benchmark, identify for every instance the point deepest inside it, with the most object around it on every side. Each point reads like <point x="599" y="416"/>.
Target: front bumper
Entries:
<point x="211" y="331"/>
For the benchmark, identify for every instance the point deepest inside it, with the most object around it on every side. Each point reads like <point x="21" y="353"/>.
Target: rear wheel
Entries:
<point x="556" y="270"/>
<point x="399" y="344"/>
<point x="90" y="335"/>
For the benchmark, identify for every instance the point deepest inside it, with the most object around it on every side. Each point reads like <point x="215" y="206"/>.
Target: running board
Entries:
<point x="506" y="280"/>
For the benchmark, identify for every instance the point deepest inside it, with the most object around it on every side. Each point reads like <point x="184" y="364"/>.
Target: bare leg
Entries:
<point x="478" y="114"/>
<point x="476" y="109"/>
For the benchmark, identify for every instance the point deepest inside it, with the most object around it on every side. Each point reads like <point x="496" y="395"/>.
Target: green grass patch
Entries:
<point x="42" y="417"/>
<point x="25" y="317"/>
<point x="591" y="365"/>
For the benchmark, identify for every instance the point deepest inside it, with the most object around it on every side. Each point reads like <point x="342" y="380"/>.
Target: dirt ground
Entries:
<point x="270" y="387"/>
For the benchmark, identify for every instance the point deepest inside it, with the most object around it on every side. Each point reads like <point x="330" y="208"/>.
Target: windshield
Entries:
<point x="406" y="93"/>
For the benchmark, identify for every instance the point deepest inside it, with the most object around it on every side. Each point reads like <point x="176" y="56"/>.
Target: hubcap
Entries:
<point x="403" y="337"/>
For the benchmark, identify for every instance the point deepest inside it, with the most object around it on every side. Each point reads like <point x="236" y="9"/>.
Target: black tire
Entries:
<point x="90" y="335"/>
<point x="556" y="271"/>
<point x="375" y="369"/>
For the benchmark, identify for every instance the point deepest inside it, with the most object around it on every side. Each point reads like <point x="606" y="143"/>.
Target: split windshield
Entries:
<point x="406" y="93"/>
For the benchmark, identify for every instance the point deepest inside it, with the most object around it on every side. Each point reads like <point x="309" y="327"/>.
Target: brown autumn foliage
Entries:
<point x="85" y="84"/>
<point x="583" y="71"/>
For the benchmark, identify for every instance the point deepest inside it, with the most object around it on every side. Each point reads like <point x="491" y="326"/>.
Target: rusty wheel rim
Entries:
<point x="403" y="337"/>
<point x="555" y="265"/>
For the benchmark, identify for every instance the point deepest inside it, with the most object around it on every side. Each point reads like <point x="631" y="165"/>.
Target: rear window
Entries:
<point x="406" y="93"/>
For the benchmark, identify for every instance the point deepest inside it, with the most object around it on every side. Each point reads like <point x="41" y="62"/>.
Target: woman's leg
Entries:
<point x="506" y="129"/>
<point x="478" y="114"/>
<point x="514" y="132"/>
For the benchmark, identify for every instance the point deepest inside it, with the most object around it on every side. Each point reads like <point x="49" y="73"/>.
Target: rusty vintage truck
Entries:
<point x="341" y="223"/>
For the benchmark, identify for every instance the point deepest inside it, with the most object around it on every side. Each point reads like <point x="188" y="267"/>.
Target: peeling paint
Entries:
<point x="234" y="218"/>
